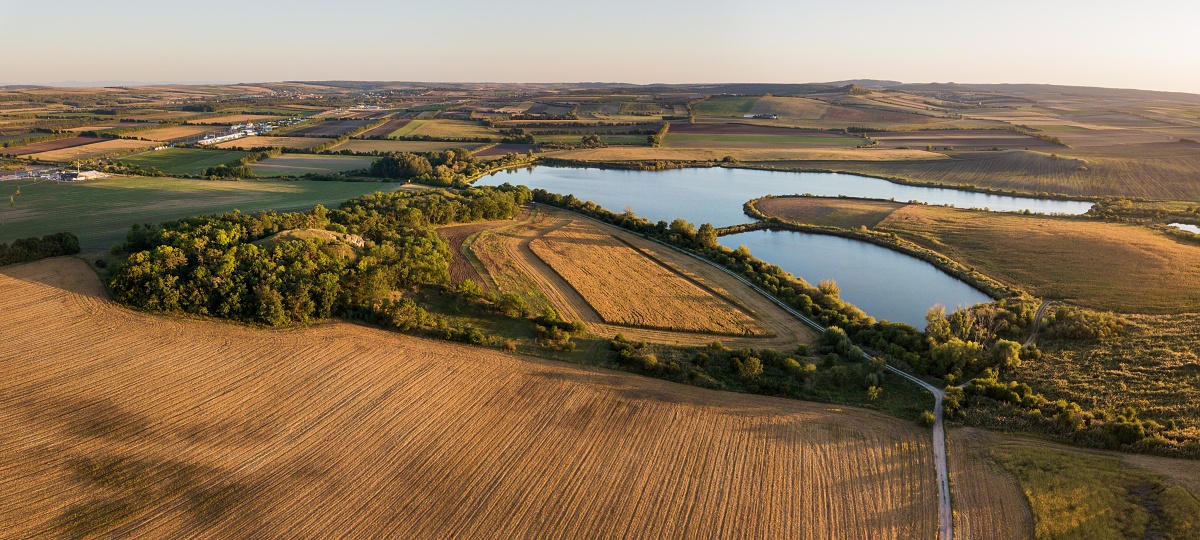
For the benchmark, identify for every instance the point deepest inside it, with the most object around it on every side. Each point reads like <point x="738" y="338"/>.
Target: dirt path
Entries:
<point x="1037" y="322"/>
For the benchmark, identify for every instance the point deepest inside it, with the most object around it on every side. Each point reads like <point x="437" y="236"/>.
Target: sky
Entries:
<point x="1150" y="44"/>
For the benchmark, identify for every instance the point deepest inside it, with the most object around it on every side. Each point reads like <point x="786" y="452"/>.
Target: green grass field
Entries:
<point x="183" y="160"/>
<point x="408" y="128"/>
<point x="100" y="212"/>
<point x="296" y="165"/>
<point x="1097" y="497"/>
<point x="725" y="106"/>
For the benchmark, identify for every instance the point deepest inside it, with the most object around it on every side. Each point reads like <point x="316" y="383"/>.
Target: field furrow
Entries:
<point x="123" y="424"/>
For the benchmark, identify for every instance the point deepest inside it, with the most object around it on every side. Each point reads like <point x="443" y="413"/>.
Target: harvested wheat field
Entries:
<point x="95" y="150"/>
<point x="988" y="501"/>
<point x="625" y="277"/>
<point x="628" y="288"/>
<point x="123" y="424"/>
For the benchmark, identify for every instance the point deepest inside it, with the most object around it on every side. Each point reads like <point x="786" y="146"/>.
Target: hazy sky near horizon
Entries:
<point x="1151" y="44"/>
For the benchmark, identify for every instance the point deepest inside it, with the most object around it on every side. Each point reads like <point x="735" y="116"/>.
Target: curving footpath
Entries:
<point x="945" y="514"/>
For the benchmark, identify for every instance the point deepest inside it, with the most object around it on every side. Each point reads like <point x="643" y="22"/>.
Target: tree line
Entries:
<point x="214" y="266"/>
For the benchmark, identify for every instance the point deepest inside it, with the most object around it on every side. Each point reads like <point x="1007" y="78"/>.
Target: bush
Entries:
<point x="928" y="419"/>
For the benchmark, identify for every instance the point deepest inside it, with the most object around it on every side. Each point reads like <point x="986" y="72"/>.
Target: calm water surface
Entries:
<point x="884" y="283"/>
<point x="1186" y="227"/>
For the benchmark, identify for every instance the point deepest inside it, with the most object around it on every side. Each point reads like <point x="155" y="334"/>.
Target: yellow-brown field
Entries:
<point x="235" y="119"/>
<point x="296" y="143"/>
<point x="711" y="297"/>
<point x="389" y="145"/>
<point x="94" y="150"/>
<point x="1103" y="265"/>
<point x="115" y="423"/>
<point x="627" y="288"/>
<point x="172" y="133"/>
<point x="636" y="153"/>
<point x="988" y="503"/>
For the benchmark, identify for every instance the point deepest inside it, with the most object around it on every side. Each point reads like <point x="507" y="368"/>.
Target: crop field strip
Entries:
<point x="331" y="129"/>
<point x="1103" y="265"/>
<point x="458" y="236"/>
<point x="94" y="150"/>
<point x="309" y="164"/>
<point x="599" y="267"/>
<point x="100" y="212"/>
<point x="49" y="146"/>
<point x="176" y="133"/>
<point x="183" y="160"/>
<point x="386" y="129"/>
<point x="389" y="145"/>
<point x="853" y="155"/>
<point x="1163" y="171"/>
<point x="514" y="267"/>
<point x="260" y="141"/>
<point x="133" y="425"/>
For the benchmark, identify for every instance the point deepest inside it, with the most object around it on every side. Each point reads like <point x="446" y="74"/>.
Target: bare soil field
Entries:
<point x="331" y="129"/>
<point x="122" y="424"/>
<point x="462" y="267"/>
<point x="95" y="150"/>
<point x="513" y="266"/>
<point x="498" y="150"/>
<point x="387" y="129"/>
<point x="48" y="146"/>
<point x="961" y="139"/>
<point x="388" y="145"/>
<point x="627" y="288"/>
<point x="258" y="141"/>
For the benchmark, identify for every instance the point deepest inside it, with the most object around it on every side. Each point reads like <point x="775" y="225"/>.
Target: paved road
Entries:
<point x="945" y="514"/>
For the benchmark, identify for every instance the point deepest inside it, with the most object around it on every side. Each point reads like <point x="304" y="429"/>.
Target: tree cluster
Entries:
<point x="217" y="266"/>
<point x="34" y="248"/>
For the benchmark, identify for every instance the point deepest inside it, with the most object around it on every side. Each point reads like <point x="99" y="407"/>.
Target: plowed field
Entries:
<point x="123" y="424"/>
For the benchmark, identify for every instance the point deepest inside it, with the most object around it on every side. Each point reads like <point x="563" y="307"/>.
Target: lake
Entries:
<point x="884" y="283"/>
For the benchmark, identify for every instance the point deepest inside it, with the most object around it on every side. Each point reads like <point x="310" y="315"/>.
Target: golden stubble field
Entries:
<point x="124" y="424"/>
<point x="518" y="260"/>
<point x="628" y="288"/>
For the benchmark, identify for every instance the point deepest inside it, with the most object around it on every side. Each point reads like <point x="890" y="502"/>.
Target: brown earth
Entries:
<point x="961" y="139"/>
<point x="386" y="129"/>
<point x="49" y="146"/>
<point x="115" y="423"/>
<point x="332" y="128"/>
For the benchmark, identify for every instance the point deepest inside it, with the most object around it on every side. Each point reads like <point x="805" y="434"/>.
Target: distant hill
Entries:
<point x="866" y="83"/>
